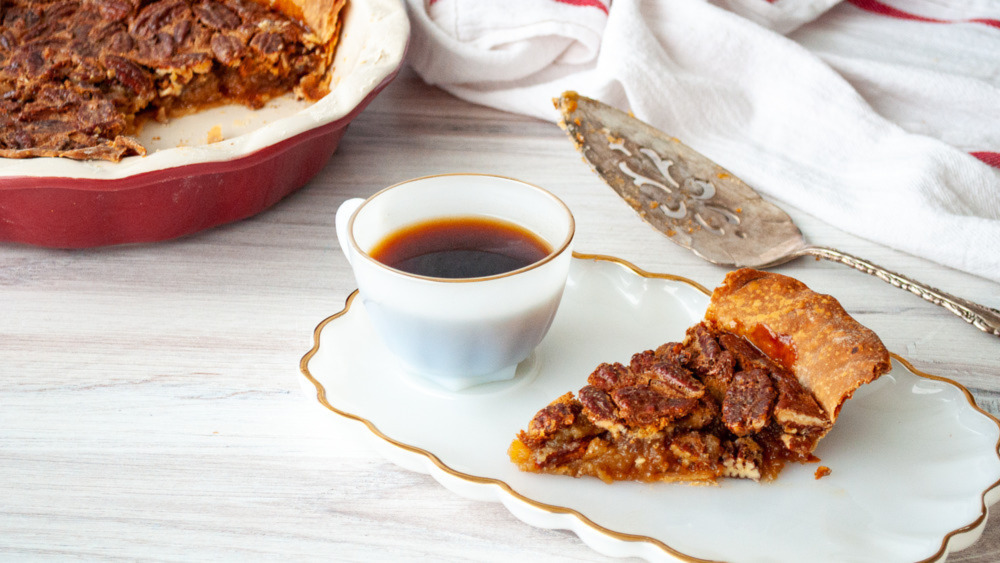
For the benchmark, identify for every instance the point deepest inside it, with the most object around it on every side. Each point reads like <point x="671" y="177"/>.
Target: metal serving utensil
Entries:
<point x="704" y="208"/>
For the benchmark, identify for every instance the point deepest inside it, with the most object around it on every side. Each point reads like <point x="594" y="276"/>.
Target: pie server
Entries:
<point x="704" y="208"/>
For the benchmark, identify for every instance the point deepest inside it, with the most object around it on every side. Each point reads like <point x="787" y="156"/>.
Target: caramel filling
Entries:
<point x="712" y="406"/>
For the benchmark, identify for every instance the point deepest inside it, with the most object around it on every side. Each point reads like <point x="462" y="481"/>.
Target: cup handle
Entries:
<point x="343" y="220"/>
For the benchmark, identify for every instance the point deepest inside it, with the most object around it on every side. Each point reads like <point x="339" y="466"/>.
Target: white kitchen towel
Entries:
<point x="880" y="121"/>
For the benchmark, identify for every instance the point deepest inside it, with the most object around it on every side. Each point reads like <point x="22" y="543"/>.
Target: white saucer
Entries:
<point x="914" y="461"/>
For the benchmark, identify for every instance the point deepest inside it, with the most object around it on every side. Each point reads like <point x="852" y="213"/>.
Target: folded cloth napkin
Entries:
<point x="881" y="121"/>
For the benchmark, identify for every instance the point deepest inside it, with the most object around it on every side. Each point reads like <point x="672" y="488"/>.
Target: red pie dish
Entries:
<point x="186" y="183"/>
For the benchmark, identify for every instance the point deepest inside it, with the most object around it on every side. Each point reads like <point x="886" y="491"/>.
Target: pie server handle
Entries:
<point x="982" y="317"/>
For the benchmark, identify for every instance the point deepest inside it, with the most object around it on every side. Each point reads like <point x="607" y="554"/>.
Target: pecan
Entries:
<point x="29" y="60"/>
<point x="59" y="11"/>
<point x="121" y="43"/>
<point x="181" y="30"/>
<point x="696" y="449"/>
<point x="640" y="404"/>
<point x="54" y="97"/>
<point x="7" y="40"/>
<point x="267" y="43"/>
<point x="597" y="404"/>
<point x="159" y="48"/>
<point x="550" y="419"/>
<point x="37" y="111"/>
<point x="216" y="15"/>
<point x="705" y="413"/>
<point x="15" y="138"/>
<point x="112" y="10"/>
<point x="45" y="30"/>
<point x="715" y="368"/>
<point x="671" y="379"/>
<point x="707" y="343"/>
<point x="566" y="452"/>
<point x="199" y="62"/>
<point x="22" y="18"/>
<point x="802" y="444"/>
<point x="248" y="11"/>
<point x="101" y="34"/>
<point x="723" y="368"/>
<point x="100" y="117"/>
<point x="796" y="408"/>
<point x="610" y="376"/>
<point x="130" y="74"/>
<point x="743" y="459"/>
<point x="707" y="359"/>
<point x="718" y="375"/>
<point x="642" y="361"/>
<point x="674" y="351"/>
<point x="704" y="348"/>
<point x="158" y="15"/>
<point x="81" y="37"/>
<point x="747" y="406"/>
<point x="747" y="355"/>
<point x="227" y="49"/>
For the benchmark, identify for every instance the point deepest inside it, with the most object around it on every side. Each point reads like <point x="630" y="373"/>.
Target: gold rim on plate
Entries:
<point x="554" y="509"/>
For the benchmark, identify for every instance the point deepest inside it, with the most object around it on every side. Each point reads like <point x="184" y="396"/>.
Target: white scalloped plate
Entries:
<point x="914" y="461"/>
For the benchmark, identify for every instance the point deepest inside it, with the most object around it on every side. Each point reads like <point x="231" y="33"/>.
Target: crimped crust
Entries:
<point x="322" y="16"/>
<point x="830" y="353"/>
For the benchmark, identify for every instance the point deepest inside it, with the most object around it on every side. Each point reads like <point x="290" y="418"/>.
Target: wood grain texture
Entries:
<point x="150" y="400"/>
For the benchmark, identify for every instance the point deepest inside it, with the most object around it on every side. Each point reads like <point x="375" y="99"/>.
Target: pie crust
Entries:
<point x="753" y="386"/>
<point x="78" y="78"/>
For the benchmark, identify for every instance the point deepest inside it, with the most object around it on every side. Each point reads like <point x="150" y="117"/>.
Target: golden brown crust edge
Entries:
<point x="829" y="352"/>
<point x="322" y="16"/>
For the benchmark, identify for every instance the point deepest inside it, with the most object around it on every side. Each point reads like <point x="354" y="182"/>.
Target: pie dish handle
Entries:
<point x="343" y="223"/>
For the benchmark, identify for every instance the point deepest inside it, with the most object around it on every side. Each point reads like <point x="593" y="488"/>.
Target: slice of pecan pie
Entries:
<point x="753" y="386"/>
<point x="79" y="77"/>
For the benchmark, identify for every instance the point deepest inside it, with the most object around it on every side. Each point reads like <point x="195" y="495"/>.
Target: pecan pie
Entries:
<point x="78" y="78"/>
<point x="753" y="386"/>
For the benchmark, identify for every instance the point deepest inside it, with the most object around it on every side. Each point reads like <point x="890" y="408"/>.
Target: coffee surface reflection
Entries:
<point x="460" y="247"/>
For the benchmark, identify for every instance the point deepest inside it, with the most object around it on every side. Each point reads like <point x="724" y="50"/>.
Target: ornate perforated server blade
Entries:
<point x="701" y="206"/>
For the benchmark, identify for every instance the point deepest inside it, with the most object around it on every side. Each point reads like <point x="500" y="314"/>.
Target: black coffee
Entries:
<point x="460" y="247"/>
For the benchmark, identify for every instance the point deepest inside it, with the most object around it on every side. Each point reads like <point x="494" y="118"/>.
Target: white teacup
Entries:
<point x="458" y="332"/>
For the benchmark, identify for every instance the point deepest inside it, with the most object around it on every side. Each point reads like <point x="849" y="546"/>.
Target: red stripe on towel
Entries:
<point x="991" y="158"/>
<point x="592" y="3"/>
<point x="880" y="8"/>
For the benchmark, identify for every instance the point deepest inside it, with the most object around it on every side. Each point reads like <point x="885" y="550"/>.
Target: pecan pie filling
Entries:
<point x="714" y="405"/>
<point x="78" y="78"/>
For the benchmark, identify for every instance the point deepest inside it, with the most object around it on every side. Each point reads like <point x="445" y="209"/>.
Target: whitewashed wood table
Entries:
<point x="150" y="400"/>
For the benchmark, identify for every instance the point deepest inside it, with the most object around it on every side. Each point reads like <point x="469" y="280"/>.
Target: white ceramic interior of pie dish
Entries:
<point x="372" y="44"/>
